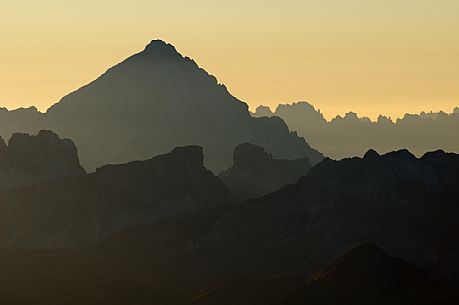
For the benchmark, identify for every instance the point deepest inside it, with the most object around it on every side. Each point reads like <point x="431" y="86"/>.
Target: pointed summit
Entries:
<point x="371" y="155"/>
<point x="157" y="100"/>
<point x="161" y="48"/>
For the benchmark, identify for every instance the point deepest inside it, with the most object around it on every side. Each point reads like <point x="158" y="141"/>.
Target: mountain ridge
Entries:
<point x="151" y="102"/>
<point x="255" y="172"/>
<point x="28" y="159"/>
<point x="80" y="211"/>
<point x="352" y="135"/>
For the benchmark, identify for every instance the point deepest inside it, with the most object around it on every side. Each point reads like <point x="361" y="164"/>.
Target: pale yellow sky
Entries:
<point x="370" y="57"/>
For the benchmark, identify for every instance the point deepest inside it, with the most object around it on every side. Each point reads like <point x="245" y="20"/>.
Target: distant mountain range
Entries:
<point x="150" y="103"/>
<point x="352" y="135"/>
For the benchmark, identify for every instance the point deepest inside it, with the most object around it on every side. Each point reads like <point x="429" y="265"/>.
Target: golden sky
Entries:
<point x="370" y="57"/>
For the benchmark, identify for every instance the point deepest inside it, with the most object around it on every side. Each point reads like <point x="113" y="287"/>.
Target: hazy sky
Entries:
<point x="371" y="57"/>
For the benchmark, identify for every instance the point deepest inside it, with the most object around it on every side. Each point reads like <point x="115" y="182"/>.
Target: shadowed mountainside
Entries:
<point x="29" y="159"/>
<point x="152" y="102"/>
<point x="255" y="172"/>
<point x="365" y="275"/>
<point x="143" y="266"/>
<point x="407" y="206"/>
<point x="164" y="230"/>
<point x="352" y="136"/>
<point x="22" y="120"/>
<point x="82" y="210"/>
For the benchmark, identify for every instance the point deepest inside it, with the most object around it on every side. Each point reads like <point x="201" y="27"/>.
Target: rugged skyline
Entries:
<point x="150" y="103"/>
<point x="352" y="135"/>
<point x="157" y="182"/>
<point x="370" y="57"/>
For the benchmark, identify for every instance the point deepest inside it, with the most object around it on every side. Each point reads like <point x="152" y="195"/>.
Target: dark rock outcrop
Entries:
<point x="29" y="159"/>
<point x="164" y="230"/>
<point x="255" y="172"/>
<point x="407" y="206"/>
<point x="83" y="210"/>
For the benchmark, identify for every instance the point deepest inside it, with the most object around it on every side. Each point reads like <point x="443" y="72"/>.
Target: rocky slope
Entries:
<point x="80" y="211"/>
<point x="351" y="135"/>
<point x="407" y="206"/>
<point x="166" y="231"/>
<point x="29" y="159"/>
<point x="365" y="275"/>
<point x="255" y="172"/>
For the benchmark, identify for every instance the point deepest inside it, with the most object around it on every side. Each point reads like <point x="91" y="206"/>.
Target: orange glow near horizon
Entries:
<point x="388" y="57"/>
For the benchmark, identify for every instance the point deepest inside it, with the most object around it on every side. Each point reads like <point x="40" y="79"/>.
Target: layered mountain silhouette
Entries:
<point x="23" y="120"/>
<point x="152" y="102"/>
<point x="83" y="210"/>
<point x="167" y="231"/>
<point x="142" y="266"/>
<point x="280" y="225"/>
<point x="29" y="159"/>
<point x="255" y="172"/>
<point x="351" y="135"/>
<point x="405" y="205"/>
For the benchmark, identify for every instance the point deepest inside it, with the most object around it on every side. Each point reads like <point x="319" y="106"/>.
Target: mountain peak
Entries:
<point x="255" y="172"/>
<point x="160" y="47"/>
<point x="401" y="155"/>
<point x="371" y="154"/>
<point x="31" y="158"/>
<point x="193" y="153"/>
<point x="249" y="153"/>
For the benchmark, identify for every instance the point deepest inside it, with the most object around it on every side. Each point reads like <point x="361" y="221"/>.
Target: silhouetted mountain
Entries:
<point x="23" y="120"/>
<point x="365" y="275"/>
<point x="263" y="111"/>
<point x="83" y="210"/>
<point x="255" y="173"/>
<point x="164" y="230"/>
<point x="406" y="205"/>
<point x="29" y="159"/>
<point x="352" y="135"/>
<point x="157" y="100"/>
<point x="137" y="266"/>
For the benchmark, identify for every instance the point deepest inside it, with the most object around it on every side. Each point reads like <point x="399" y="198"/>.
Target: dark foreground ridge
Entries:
<point x="405" y="205"/>
<point x="167" y="231"/>
<point x="365" y="275"/>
